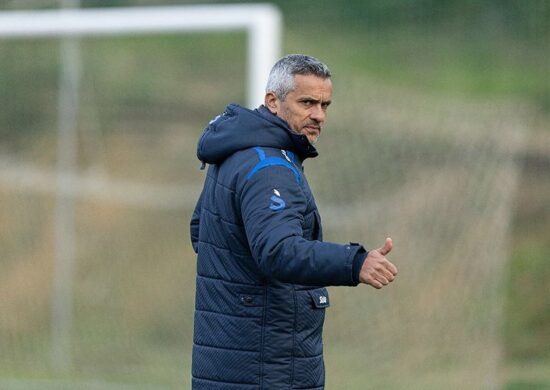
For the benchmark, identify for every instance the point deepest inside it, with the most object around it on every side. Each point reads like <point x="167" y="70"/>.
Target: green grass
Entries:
<point x="527" y="375"/>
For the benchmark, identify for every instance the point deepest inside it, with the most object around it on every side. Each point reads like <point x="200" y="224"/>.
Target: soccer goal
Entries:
<point x="60" y="185"/>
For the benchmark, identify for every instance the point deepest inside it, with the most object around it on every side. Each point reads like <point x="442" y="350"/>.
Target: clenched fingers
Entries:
<point x="377" y="271"/>
<point x="392" y="268"/>
<point x="375" y="284"/>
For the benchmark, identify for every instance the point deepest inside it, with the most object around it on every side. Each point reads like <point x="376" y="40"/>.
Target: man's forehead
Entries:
<point x="312" y="85"/>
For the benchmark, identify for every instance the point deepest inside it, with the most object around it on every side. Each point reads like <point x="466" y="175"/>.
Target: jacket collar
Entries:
<point x="303" y="148"/>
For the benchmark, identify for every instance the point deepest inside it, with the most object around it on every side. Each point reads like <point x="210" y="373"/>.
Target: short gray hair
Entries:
<point x="281" y="77"/>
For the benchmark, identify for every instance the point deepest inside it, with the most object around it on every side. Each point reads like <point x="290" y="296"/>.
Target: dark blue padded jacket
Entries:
<point x="262" y="267"/>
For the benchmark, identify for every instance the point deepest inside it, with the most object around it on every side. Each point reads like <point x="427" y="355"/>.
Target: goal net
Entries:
<point x="437" y="175"/>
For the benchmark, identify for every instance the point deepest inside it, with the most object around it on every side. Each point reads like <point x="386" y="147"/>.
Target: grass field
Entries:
<point x="133" y="312"/>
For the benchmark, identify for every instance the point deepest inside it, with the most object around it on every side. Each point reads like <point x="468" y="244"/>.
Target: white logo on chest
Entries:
<point x="322" y="299"/>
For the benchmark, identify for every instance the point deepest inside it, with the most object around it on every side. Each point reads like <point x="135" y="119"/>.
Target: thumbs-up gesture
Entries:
<point x="377" y="270"/>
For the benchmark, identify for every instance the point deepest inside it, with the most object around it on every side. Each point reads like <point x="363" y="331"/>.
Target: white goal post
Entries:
<point x="262" y="22"/>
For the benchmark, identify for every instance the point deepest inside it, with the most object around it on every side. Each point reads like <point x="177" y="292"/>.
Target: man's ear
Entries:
<point x="271" y="102"/>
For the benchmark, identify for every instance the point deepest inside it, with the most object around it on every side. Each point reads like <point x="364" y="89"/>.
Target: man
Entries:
<point x="262" y="266"/>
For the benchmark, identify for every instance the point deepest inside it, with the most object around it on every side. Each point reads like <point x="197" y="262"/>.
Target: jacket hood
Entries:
<point x="239" y="128"/>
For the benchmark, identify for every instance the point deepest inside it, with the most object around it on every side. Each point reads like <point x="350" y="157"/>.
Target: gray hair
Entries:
<point x="281" y="77"/>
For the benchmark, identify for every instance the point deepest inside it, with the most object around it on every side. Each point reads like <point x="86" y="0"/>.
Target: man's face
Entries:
<point x="304" y="108"/>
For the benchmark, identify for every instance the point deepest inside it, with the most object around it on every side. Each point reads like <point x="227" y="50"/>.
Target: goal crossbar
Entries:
<point x="262" y="22"/>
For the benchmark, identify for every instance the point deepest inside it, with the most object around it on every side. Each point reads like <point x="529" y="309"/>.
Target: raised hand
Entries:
<point x="377" y="270"/>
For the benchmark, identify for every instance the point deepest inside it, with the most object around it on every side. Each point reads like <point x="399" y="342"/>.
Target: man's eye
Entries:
<point x="307" y="102"/>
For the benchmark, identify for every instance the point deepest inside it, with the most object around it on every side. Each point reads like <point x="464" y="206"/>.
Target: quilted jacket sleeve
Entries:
<point x="273" y="205"/>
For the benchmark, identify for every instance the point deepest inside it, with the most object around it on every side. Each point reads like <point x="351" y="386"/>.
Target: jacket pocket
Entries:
<point x="310" y="316"/>
<point x="319" y="298"/>
<point x="228" y="316"/>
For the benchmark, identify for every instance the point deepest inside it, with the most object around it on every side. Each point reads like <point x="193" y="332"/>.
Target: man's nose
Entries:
<point x="318" y="114"/>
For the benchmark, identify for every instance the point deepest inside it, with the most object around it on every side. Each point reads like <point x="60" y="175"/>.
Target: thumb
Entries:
<point x="388" y="245"/>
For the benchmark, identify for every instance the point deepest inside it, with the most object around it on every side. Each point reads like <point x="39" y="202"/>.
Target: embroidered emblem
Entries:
<point x="277" y="203"/>
<point x="322" y="299"/>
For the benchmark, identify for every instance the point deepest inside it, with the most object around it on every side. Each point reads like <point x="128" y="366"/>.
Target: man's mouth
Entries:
<point x="312" y="133"/>
<point x="315" y="129"/>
